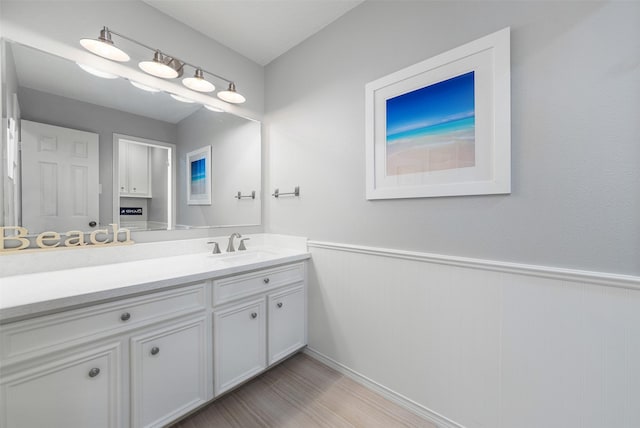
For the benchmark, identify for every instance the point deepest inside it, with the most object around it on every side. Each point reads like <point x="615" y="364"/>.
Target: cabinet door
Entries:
<point x="169" y="367"/>
<point x="77" y="390"/>
<point x="239" y="344"/>
<point x="138" y="170"/>
<point x="287" y="323"/>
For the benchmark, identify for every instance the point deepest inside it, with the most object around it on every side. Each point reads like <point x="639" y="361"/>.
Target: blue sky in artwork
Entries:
<point x="432" y="108"/>
<point x="198" y="170"/>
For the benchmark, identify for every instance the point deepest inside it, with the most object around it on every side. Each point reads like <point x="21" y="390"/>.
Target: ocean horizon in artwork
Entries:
<point x="198" y="177"/>
<point x="432" y="128"/>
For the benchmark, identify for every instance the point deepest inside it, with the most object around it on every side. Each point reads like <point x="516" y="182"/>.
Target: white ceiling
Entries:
<point x="261" y="30"/>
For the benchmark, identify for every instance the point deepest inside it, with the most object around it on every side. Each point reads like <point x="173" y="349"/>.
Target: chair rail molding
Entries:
<point x="563" y="274"/>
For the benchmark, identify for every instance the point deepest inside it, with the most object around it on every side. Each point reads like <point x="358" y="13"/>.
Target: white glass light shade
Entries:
<point x="198" y="82"/>
<point x="96" y="72"/>
<point x="231" y="96"/>
<point x="158" y="69"/>
<point x="212" y="108"/>
<point x="144" y="87"/>
<point x="182" y="99"/>
<point x="104" y="49"/>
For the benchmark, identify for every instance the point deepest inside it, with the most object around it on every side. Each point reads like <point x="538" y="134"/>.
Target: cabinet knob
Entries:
<point x="266" y="280"/>
<point x="155" y="350"/>
<point x="94" y="372"/>
<point x="254" y="315"/>
<point x="125" y="316"/>
<point x="279" y="304"/>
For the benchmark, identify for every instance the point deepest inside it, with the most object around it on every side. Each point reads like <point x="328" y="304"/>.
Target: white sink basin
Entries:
<point x="240" y="257"/>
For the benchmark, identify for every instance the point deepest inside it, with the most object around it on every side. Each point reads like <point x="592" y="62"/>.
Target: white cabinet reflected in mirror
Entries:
<point x="138" y="176"/>
<point x="145" y="174"/>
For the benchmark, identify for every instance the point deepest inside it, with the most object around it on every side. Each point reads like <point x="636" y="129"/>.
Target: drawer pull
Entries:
<point x="94" y="372"/>
<point x="254" y="315"/>
<point x="125" y="317"/>
<point x="279" y="304"/>
<point x="155" y="350"/>
<point x="266" y="280"/>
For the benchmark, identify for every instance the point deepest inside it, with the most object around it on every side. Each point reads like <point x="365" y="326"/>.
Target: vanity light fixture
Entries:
<point x="198" y="83"/>
<point x="103" y="46"/>
<point x="161" y="65"/>
<point x="230" y="95"/>
<point x="144" y="87"/>
<point x="96" y="72"/>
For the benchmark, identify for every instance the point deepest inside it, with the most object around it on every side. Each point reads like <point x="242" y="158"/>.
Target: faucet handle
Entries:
<point x="242" y="247"/>
<point x="216" y="247"/>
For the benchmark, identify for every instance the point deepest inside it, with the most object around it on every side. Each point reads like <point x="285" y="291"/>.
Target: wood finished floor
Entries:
<point x="302" y="393"/>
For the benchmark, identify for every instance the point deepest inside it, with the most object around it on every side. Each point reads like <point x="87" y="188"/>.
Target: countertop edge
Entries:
<point x="47" y="307"/>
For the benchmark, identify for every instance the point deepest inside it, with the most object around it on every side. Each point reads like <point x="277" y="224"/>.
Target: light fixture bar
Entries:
<point x="230" y="95"/>
<point x="169" y="55"/>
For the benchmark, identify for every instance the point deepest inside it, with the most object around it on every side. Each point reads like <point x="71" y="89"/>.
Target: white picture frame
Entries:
<point x="442" y="127"/>
<point x="198" y="180"/>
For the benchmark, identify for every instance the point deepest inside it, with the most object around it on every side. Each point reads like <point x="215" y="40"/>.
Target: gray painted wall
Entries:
<point x="55" y="110"/>
<point x="235" y="166"/>
<point x="575" y="107"/>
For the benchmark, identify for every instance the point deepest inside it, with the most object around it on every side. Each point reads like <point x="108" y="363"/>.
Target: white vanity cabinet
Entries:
<point x="287" y="322"/>
<point x="147" y="360"/>
<point x="134" y="170"/>
<point x="80" y="388"/>
<point x="76" y="368"/>
<point x="259" y="318"/>
<point x="239" y="350"/>
<point x="168" y="372"/>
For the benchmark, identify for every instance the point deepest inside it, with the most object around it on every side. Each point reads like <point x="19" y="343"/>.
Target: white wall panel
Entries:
<point x="484" y="344"/>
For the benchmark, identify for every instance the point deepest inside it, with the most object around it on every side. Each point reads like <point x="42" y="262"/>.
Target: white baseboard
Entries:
<point x="412" y="406"/>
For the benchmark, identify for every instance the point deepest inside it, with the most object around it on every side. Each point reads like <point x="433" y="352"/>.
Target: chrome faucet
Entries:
<point x="230" y="247"/>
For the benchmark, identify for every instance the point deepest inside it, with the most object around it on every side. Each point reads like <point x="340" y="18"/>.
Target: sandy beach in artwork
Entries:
<point x="431" y="153"/>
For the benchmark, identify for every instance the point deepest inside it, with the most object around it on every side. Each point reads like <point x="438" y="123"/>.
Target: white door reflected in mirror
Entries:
<point x="59" y="178"/>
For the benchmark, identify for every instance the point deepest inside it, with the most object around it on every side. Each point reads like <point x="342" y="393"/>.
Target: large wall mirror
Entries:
<point x="81" y="151"/>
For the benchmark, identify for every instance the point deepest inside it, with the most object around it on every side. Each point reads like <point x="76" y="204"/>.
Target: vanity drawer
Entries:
<point x="57" y="331"/>
<point x="239" y="286"/>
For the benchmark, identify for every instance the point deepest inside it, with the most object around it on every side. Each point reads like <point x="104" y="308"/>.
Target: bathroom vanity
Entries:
<point x="141" y="343"/>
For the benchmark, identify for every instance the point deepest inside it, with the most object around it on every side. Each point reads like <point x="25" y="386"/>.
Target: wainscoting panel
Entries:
<point x="480" y="344"/>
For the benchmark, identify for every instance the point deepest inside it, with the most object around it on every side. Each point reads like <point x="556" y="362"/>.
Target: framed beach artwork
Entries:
<point x="199" y="176"/>
<point x="442" y="127"/>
